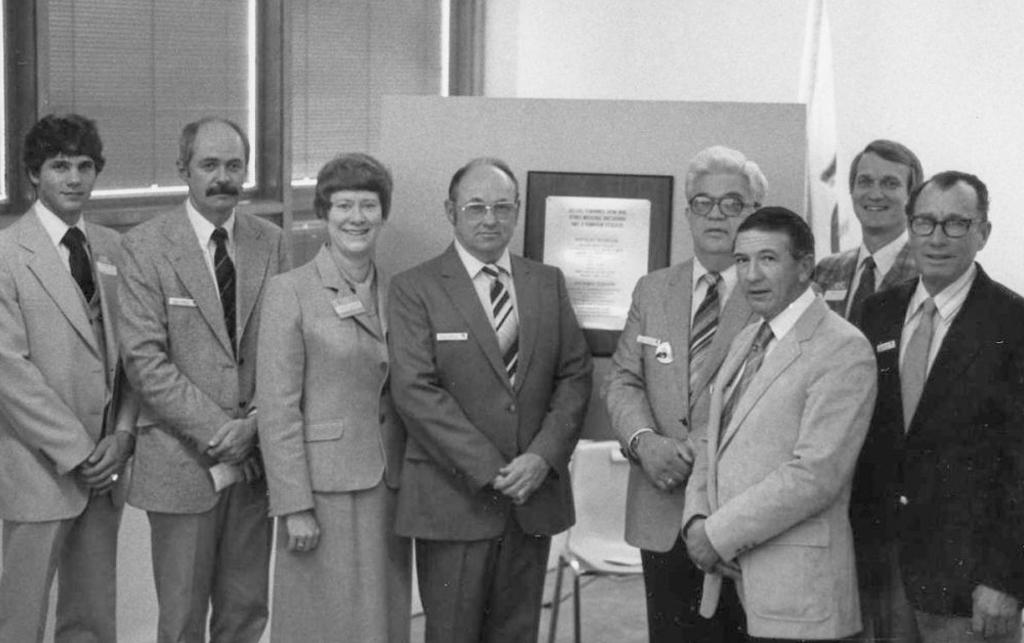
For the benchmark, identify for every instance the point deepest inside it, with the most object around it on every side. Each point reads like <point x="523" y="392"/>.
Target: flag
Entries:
<point x="817" y="92"/>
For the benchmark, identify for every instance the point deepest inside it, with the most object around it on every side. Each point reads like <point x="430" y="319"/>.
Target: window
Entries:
<point x="142" y="69"/>
<point x="346" y="54"/>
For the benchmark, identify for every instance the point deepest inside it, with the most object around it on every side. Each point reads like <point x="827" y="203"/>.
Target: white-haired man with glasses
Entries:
<point x="678" y="330"/>
<point x="940" y="479"/>
<point x="491" y="374"/>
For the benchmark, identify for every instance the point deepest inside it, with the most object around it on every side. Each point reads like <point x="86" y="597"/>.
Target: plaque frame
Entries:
<point x="656" y="188"/>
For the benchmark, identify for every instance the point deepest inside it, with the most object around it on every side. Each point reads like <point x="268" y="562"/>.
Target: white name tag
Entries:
<point x="835" y="295"/>
<point x="886" y="346"/>
<point x="106" y="269"/>
<point x="181" y="301"/>
<point x="348" y="306"/>
<point x="452" y="337"/>
<point x="646" y="340"/>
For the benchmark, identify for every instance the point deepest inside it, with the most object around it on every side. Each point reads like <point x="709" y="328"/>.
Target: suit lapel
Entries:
<point x="459" y="287"/>
<point x="253" y="253"/>
<point x="677" y="310"/>
<point x="106" y="281"/>
<point x="528" y="307"/>
<point x="335" y="283"/>
<point x="735" y="316"/>
<point x="191" y="267"/>
<point x="903" y="268"/>
<point x="46" y="264"/>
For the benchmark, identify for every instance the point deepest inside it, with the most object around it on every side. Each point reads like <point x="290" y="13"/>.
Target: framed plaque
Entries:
<point x="604" y="231"/>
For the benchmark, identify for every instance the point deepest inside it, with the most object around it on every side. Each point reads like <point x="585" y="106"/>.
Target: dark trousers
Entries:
<point x="673" y="586"/>
<point x="483" y="591"/>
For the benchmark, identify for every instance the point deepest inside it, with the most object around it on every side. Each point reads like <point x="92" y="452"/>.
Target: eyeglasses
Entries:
<point x="729" y="205"/>
<point x="953" y="227"/>
<point x="502" y="210"/>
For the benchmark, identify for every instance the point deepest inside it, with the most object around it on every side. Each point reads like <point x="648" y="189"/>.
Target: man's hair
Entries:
<point x="354" y="171"/>
<point x="895" y="153"/>
<point x="719" y="159"/>
<point x="500" y="165"/>
<point x="187" y="141"/>
<point x="946" y="180"/>
<point x="777" y="219"/>
<point x="69" y="134"/>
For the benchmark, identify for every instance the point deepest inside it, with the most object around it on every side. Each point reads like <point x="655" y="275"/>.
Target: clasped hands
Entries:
<point x="233" y="444"/>
<point x="704" y="555"/>
<point x="666" y="462"/>
<point x="994" y="613"/>
<point x="101" y="469"/>
<point x="521" y="477"/>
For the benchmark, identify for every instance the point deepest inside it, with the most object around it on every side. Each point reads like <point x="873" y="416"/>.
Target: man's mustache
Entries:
<point x="226" y="189"/>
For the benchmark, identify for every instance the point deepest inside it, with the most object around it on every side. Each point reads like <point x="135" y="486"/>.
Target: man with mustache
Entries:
<point x="192" y="285"/>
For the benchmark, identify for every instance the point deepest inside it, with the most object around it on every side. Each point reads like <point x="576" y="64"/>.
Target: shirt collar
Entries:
<point x="948" y="300"/>
<point x="474" y="265"/>
<point x="784" y="321"/>
<point x="54" y="225"/>
<point x="885" y="257"/>
<point x="203" y="228"/>
<point x="728" y="275"/>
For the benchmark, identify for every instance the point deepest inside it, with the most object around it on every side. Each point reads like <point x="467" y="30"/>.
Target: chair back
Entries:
<point x="599" y="477"/>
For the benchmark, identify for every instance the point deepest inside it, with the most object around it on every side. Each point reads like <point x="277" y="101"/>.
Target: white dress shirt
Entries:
<point x="204" y="230"/>
<point x="56" y="229"/>
<point x="482" y="283"/>
<point x="948" y="303"/>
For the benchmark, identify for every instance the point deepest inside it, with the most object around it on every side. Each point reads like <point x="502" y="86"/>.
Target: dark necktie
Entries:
<point x="702" y="331"/>
<point x="81" y="268"/>
<point x="914" y="373"/>
<point x="225" y="271"/>
<point x="506" y="323"/>
<point x="750" y="366"/>
<point x="865" y="288"/>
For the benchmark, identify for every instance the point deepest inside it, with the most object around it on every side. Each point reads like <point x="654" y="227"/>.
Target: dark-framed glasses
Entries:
<point x="729" y="205"/>
<point x="953" y="227"/>
<point x="502" y="210"/>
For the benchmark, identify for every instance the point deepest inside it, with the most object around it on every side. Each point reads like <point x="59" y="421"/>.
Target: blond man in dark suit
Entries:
<point x="191" y="289"/>
<point x="65" y="429"/>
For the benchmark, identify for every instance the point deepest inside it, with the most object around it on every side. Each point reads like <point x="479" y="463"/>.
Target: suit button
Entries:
<point x="241" y="360"/>
<point x="241" y="405"/>
<point x="512" y="407"/>
<point x="904" y="501"/>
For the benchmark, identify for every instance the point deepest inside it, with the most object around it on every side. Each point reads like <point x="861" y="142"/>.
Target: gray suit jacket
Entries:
<point x="177" y="354"/>
<point x="326" y="419"/>
<point x="58" y="391"/>
<point x="465" y="420"/>
<point x="833" y="277"/>
<point x="643" y="392"/>
<point x="775" y="483"/>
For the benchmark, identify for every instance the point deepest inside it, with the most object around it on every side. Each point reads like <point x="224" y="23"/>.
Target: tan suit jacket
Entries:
<point x="58" y="396"/>
<point x="326" y="421"/>
<point x="641" y="391"/>
<point x="465" y="420"/>
<point x="775" y="483"/>
<point x="177" y="353"/>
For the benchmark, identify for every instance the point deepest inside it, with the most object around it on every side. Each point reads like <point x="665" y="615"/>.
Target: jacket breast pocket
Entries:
<point x="325" y="431"/>
<point x="789" y="578"/>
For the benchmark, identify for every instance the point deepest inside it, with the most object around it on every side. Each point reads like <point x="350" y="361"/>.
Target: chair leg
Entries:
<point x="576" y="604"/>
<point x="556" y="601"/>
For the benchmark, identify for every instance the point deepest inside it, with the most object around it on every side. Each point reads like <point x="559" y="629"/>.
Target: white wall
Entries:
<point x="944" y="77"/>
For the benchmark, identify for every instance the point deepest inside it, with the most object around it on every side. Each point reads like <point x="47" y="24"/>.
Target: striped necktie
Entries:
<point x="505" y="320"/>
<point x="751" y="364"/>
<point x="703" y="328"/>
<point x="224" y="268"/>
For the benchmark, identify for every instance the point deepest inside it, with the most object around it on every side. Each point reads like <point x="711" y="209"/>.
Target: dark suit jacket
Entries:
<point x="643" y="392"/>
<point x="177" y="353"/>
<point x="464" y="420"/>
<point x="950" y="488"/>
<point x="835" y="273"/>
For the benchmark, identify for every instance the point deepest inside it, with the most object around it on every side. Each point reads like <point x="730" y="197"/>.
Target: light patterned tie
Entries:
<point x="224" y="268"/>
<point x="865" y="288"/>
<point x="915" y="361"/>
<point x="506" y="322"/>
<point x="755" y="356"/>
<point x="703" y="328"/>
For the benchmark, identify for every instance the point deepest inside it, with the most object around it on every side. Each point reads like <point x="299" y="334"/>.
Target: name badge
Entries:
<point x="648" y="341"/>
<point x="886" y="346"/>
<point x="452" y="337"/>
<point x="663" y="353"/>
<point x="181" y="301"/>
<point x="835" y="295"/>
<point x="105" y="268"/>
<point x="348" y="306"/>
